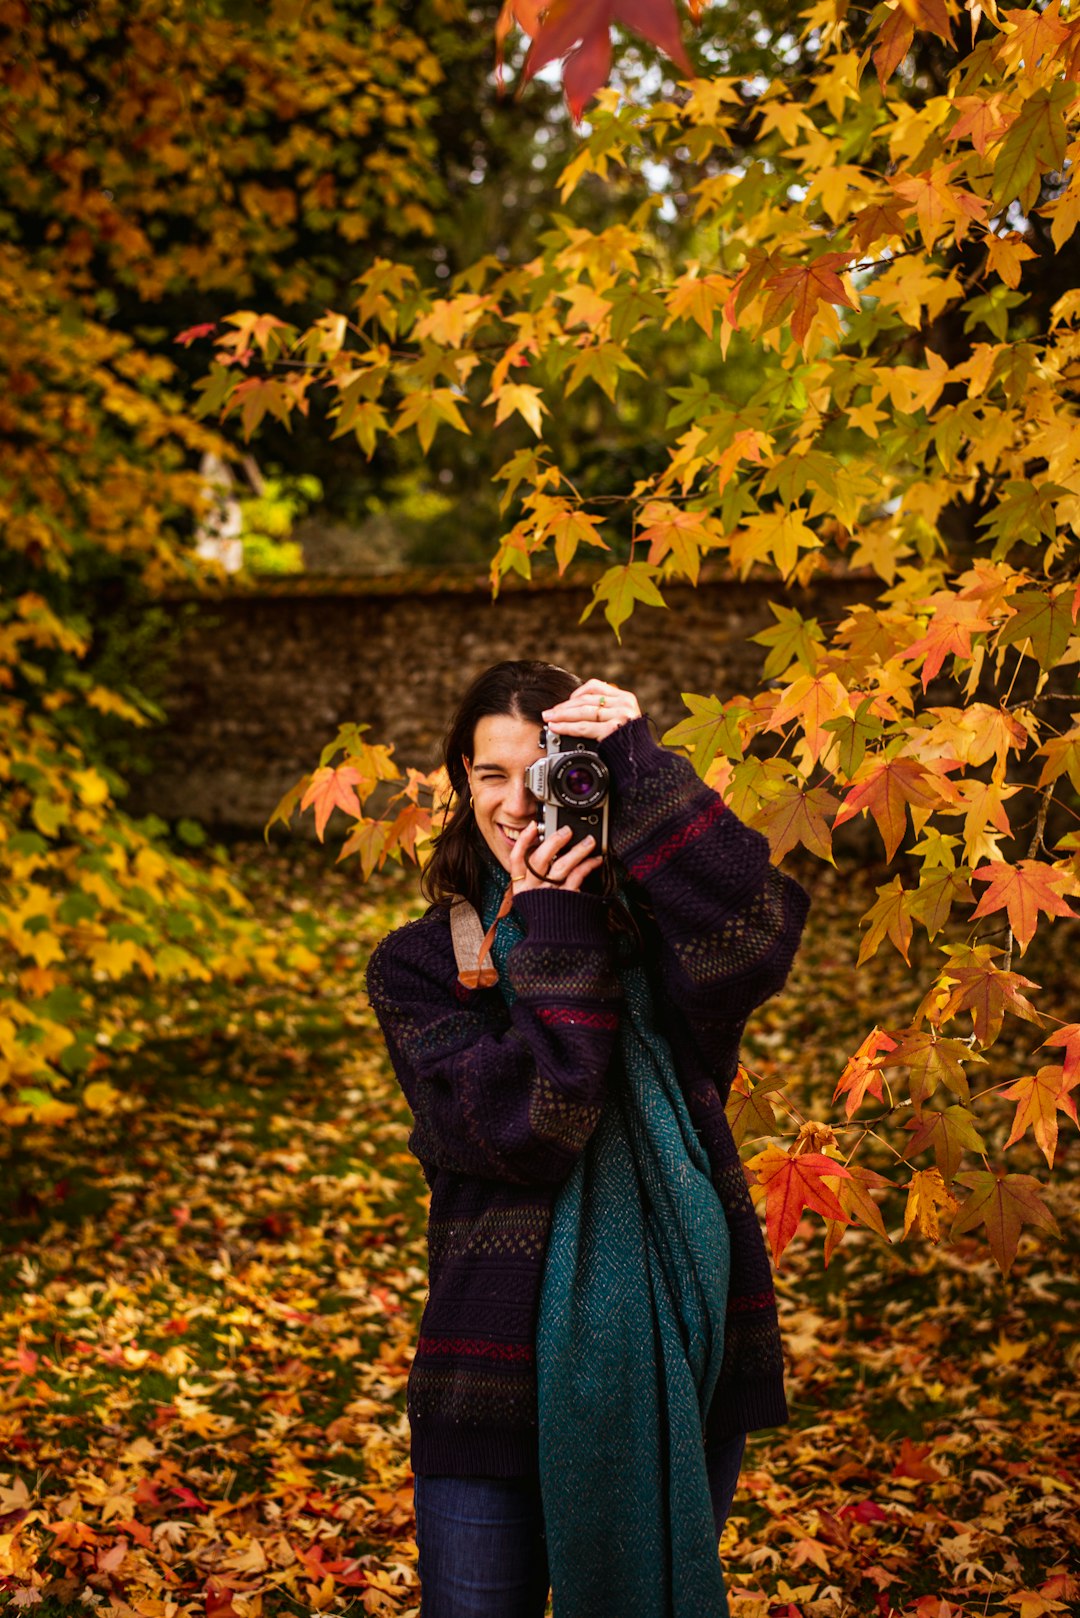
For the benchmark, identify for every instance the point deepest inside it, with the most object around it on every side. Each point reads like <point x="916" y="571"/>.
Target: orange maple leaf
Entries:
<point x="863" y="1071"/>
<point x="878" y="221"/>
<point x="886" y="787"/>
<point x="1023" y="890"/>
<point x="982" y="119"/>
<point x="912" y="1462"/>
<point x="889" y="917"/>
<point x="793" y="1183"/>
<point x="1068" y="1036"/>
<point x="987" y="992"/>
<point x="683" y="535"/>
<point x="332" y="789"/>
<point x="369" y="840"/>
<point x="813" y="700"/>
<point x="949" y="630"/>
<point x="939" y="204"/>
<point x="802" y="288"/>
<point x="797" y="816"/>
<point x="1031" y="35"/>
<point x="1039" y="1098"/>
<point x="930" y="16"/>
<point x="893" y="43"/>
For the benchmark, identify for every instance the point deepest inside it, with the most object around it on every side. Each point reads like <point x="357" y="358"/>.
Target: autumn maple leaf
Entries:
<point x="1003" y="1203"/>
<point x="794" y="816"/>
<point x="886" y="787"/>
<point x="802" y="288"/>
<point x="949" y="630"/>
<point x="332" y="789"/>
<point x="1039" y="1097"/>
<point x="930" y="1061"/>
<point x="948" y="1134"/>
<point x="579" y="33"/>
<point x="1068" y="1037"/>
<point x="682" y="535"/>
<point x="792" y="1183"/>
<point x="1023" y="890"/>
<point x="938" y="204"/>
<point x="893" y="43"/>
<point x="863" y="1070"/>
<point x="191" y="334"/>
<point x="975" y="984"/>
<point x="927" y="1196"/>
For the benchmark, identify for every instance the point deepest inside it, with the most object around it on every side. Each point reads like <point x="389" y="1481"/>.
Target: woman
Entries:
<point x="601" y="1330"/>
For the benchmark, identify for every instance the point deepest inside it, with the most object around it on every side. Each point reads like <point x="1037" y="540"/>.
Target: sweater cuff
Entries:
<point x="563" y="916"/>
<point x="632" y="751"/>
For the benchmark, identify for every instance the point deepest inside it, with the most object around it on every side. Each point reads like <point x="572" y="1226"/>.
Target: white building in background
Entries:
<point x="218" y="536"/>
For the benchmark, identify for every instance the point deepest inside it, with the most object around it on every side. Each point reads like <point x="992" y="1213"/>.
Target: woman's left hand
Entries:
<point x="594" y="710"/>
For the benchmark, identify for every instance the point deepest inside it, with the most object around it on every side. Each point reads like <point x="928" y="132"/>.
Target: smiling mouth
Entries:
<point x="511" y="833"/>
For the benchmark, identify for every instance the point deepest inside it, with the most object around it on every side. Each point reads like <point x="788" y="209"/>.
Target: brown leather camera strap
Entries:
<point x="472" y="946"/>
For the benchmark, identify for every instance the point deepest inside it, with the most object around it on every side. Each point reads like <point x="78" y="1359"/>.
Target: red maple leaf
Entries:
<point x="1004" y="1203"/>
<point x="219" y="1600"/>
<point x="792" y="1184"/>
<point x="193" y="333"/>
<point x="578" y="32"/>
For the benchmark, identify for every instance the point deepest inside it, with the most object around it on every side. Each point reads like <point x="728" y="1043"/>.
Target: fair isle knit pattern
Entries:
<point x="504" y="1100"/>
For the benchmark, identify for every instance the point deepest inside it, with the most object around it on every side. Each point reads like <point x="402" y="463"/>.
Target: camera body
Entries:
<point x="571" y="786"/>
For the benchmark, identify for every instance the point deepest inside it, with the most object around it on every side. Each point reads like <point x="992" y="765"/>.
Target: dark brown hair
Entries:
<point x="521" y="689"/>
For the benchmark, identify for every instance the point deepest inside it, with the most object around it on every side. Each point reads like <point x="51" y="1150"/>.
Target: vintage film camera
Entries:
<point x="570" y="784"/>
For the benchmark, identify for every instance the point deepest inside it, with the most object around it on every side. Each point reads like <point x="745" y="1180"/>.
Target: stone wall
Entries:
<point x="262" y="681"/>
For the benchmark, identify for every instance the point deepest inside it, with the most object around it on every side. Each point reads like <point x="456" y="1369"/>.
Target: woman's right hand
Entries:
<point x="550" y="868"/>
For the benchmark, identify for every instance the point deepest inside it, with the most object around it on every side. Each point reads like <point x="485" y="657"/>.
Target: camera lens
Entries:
<point x="580" y="782"/>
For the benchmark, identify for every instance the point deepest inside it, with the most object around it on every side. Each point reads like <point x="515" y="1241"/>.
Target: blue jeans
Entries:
<point x="481" y="1540"/>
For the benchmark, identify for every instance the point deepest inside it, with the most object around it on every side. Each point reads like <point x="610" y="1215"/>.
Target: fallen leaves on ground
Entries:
<point x="210" y="1295"/>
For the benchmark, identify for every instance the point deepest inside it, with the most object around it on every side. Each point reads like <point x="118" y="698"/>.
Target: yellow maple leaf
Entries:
<point x="101" y="1096"/>
<point x="521" y="398"/>
<point x="1005" y="254"/>
<point x="115" y="957"/>
<point x="778" y="536"/>
<point x="450" y="320"/>
<point x="928" y="1196"/>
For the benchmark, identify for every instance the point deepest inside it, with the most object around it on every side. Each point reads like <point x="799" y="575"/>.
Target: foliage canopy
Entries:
<point x="878" y="290"/>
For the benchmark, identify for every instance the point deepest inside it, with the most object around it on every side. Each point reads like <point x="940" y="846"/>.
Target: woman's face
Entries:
<point x="504" y="745"/>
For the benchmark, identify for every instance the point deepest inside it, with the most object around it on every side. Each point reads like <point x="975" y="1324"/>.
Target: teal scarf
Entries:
<point x="629" y="1340"/>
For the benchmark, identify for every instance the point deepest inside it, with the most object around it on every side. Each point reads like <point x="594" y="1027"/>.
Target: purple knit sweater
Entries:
<point x="505" y="1100"/>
